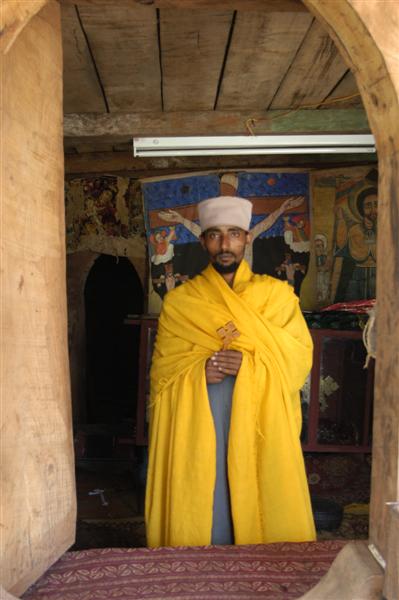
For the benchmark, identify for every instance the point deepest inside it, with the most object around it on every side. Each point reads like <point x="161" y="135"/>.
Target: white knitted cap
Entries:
<point x="225" y="210"/>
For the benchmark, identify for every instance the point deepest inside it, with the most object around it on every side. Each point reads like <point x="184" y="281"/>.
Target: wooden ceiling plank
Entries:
<point x="243" y="5"/>
<point x="262" y="48"/>
<point x="88" y="148"/>
<point x="121" y="127"/>
<point x="124" y="147"/>
<point x="82" y="91"/>
<point x="315" y="71"/>
<point x="124" y="42"/>
<point x="117" y="162"/>
<point x="346" y="87"/>
<point x="193" y="47"/>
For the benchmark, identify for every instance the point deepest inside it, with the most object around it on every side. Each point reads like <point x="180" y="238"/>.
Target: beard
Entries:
<point x="223" y="269"/>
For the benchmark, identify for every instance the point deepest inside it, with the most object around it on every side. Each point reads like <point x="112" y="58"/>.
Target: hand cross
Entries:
<point x="227" y="333"/>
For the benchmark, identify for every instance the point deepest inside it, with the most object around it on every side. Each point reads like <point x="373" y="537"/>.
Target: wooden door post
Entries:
<point x="38" y="489"/>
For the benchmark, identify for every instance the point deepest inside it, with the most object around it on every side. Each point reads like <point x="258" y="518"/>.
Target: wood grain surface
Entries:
<point x="262" y="49"/>
<point x="193" y="45"/>
<point x="82" y="89"/>
<point x="124" y="44"/>
<point x="314" y="72"/>
<point x="37" y="475"/>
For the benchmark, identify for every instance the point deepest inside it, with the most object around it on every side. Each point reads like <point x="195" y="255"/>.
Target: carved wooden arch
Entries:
<point x="367" y="34"/>
<point x="15" y="16"/>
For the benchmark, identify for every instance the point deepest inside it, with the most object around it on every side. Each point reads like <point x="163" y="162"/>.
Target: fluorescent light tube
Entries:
<point x="256" y="144"/>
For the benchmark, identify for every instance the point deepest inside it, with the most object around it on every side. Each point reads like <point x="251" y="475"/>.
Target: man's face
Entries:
<point x="370" y="208"/>
<point x="105" y="197"/>
<point x="225" y="246"/>
<point x="319" y="248"/>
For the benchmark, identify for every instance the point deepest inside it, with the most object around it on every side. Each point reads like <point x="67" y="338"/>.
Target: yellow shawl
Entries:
<point x="268" y="487"/>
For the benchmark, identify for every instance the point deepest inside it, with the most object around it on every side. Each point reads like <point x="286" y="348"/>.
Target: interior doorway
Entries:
<point x="112" y="291"/>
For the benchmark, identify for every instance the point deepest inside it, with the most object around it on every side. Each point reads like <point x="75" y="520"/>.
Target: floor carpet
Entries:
<point x="117" y="522"/>
<point x="130" y="533"/>
<point x="271" y="572"/>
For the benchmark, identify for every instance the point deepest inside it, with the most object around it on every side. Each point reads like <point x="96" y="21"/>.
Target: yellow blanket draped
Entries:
<point x="268" y="487"/>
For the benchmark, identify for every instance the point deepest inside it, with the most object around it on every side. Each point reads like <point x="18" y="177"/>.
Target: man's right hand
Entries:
<point x="212" y="372"/>
<point x="222" y="363"/>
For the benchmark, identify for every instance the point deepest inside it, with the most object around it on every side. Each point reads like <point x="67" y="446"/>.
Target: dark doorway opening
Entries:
<point x="113" y="290"/>
<point x="109" y="492"/>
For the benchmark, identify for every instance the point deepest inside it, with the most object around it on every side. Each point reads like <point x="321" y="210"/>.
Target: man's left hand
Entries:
<point x="227" y="361"/>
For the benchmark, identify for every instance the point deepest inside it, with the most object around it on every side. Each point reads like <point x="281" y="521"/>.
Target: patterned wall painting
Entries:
<point x="334" y="260"/>
<point x="104" y="214"/>
<point x="280" y="225"/>
<point x="343" y="257"/>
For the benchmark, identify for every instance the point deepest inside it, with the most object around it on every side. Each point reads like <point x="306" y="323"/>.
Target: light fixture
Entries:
<point x="253" y="144"/>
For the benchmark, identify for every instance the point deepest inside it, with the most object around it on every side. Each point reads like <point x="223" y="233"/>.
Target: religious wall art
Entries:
<point x="104" y="214"/>
<point x="280" y="227"/>
<point x="353" y="274"/>
<point x="342" y="267"/>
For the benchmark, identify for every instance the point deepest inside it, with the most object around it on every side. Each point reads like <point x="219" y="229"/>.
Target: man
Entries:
<point x="232" y="352"/>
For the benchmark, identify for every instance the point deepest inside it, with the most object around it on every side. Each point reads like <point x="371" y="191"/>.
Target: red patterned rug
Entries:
<point x="272" y="572"/>
<point x="344" y="478"/>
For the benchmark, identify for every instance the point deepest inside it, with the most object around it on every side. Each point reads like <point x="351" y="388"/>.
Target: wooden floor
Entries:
<point x="117" y="520"/>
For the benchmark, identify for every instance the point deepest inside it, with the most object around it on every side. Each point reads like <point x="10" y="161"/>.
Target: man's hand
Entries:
<point x="222" y="363"/>
<point x="293" y="202"/>
<point x="169" y="215"/>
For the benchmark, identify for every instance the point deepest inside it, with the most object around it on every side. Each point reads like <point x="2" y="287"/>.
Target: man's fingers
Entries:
<point x="222" y="363"/>
<point x="212" y="371"/>
<point x="228" y="371"/>
<point x="225" y="353"/>
<point x="214" y="375"/>
<point x="227" y="362"/>
<point x="214" y="380"/>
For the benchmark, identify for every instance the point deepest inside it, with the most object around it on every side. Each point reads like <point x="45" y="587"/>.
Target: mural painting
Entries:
<point x="104" y="214"/>
<point x="354" y="268"/>
<point x="344" y="236"/>
<point x="280" y="227"/>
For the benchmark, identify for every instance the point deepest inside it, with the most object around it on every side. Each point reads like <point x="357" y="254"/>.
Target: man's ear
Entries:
<point x="202" y="241"/>
<point x="248" y="237"/>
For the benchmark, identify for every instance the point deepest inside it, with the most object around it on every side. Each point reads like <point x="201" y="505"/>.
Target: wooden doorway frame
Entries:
<point x="367" y="34"/>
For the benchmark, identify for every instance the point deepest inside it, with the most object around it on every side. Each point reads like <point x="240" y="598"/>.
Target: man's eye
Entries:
<point x="235" y="234"/>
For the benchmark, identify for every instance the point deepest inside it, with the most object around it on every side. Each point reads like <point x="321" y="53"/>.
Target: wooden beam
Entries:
<point x="193" y="46"/>
<point x="124" y="162"/>
<point x="391" y="583"/>
<point x="346" y="88"/>
<point x="367" y="35"/>
<point x="118" y="126"/>
<point x="315" y="71"/>
<point x="79" y="68"/>
<point x="241" y="5"/>
<point x="14" y="17"/>
<point x="38" y="498"/>
<point x="124" y="45"/>
<point x="256" y="42"/>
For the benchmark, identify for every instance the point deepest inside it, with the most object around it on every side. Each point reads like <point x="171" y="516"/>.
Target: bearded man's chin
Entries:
<point x="223" y="269"/>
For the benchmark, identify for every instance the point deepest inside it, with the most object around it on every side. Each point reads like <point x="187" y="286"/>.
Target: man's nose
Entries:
<point x="225" y="241"/>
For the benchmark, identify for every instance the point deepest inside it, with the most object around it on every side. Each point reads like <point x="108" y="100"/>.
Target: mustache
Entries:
<point x="226" y="254"/>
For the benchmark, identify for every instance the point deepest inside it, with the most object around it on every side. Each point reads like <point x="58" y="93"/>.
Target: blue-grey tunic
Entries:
<point x="220" y="399"/>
